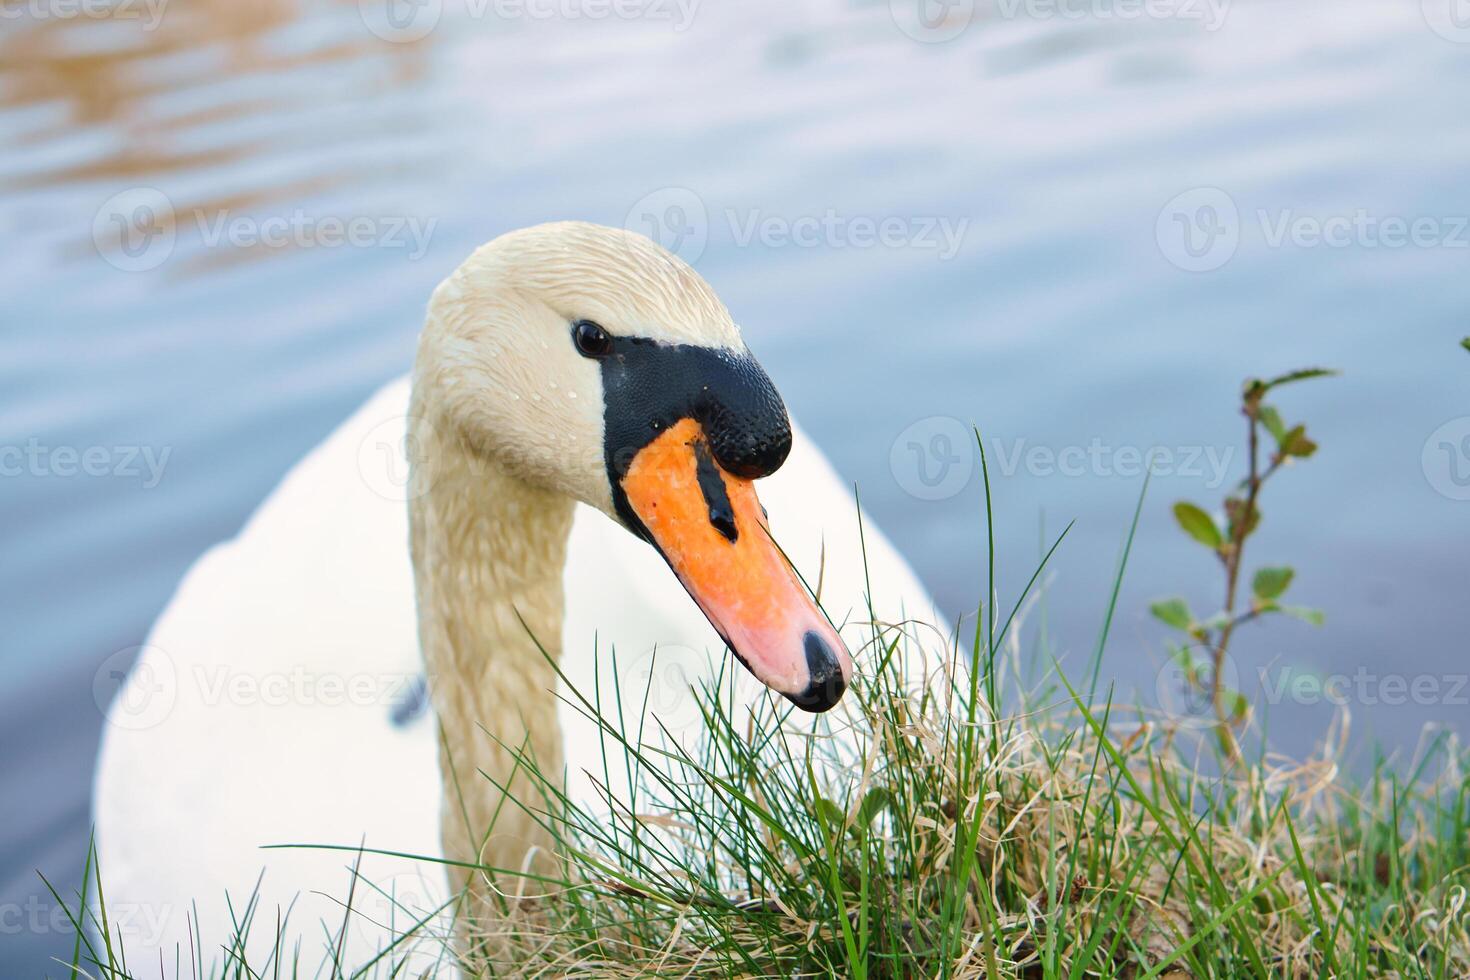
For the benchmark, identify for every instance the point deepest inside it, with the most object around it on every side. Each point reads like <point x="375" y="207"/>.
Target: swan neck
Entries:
<point x="489" y="551"/>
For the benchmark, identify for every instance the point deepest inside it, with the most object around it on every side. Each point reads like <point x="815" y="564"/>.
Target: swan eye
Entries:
<point x="591" y="340"/>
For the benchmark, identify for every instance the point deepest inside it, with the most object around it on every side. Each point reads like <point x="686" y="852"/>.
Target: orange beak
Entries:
<point x="712" y="531"/>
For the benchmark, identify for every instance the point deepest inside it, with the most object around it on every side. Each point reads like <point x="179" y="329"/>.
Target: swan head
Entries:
<point x="592" y="363"/>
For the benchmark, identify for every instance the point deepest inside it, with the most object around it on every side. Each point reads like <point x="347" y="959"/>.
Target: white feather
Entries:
<point x="260" y="711"/>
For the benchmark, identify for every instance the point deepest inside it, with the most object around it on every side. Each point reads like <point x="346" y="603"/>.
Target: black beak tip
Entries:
<point x="827" y="685"/>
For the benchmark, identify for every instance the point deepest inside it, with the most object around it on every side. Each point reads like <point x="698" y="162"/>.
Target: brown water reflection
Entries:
<point x="142" y="92"/>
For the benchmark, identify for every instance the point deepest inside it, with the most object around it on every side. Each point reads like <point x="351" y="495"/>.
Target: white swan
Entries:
<point x="274" y="701"/>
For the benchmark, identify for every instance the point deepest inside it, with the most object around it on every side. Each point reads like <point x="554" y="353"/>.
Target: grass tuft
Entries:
<point x="1065" y="841"/>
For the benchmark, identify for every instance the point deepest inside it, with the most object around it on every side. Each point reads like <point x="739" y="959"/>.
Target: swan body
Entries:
<point x="279" y="699"/>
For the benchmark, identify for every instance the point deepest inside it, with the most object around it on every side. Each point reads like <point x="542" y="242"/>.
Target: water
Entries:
<point x="1059" y="313"/>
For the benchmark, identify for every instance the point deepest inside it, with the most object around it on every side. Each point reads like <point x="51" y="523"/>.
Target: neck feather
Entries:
<point x="489" y="552"/>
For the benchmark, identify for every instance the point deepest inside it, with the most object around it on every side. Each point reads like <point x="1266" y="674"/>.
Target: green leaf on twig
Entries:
<point x="1173" y="612"/>
<point x="1296" y="443"/>
<point x="1302" y="374"/>
<point x="1271" y="419"/>
<point x="1270" y="583"/>
<point x="1256" y="388"/>
<point x="1314" y="616"/>
<point x="1197" y="524"/>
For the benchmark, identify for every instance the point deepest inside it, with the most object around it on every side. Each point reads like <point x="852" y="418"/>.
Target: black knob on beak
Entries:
<point x="744" y="418"/>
